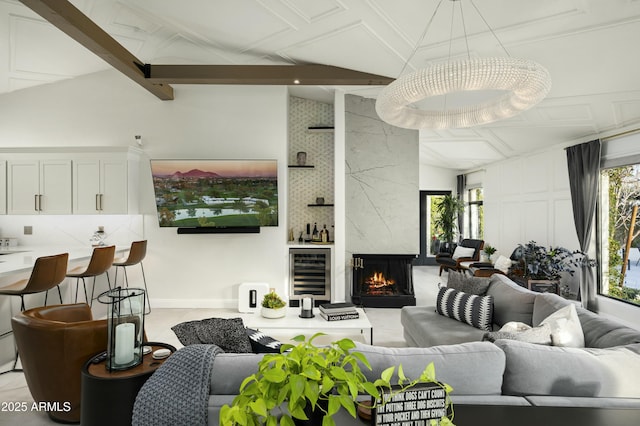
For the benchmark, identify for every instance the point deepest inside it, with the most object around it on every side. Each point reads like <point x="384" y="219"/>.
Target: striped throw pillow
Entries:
<point x="469" y="308"/>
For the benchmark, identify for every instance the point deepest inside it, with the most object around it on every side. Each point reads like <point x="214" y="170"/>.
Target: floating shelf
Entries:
<point x="320" y="205"/>
<point x="320" y="129"/>
<point x="293" y="166"/>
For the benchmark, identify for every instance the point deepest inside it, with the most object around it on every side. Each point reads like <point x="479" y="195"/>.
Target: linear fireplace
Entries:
<point x="383" y="280"/>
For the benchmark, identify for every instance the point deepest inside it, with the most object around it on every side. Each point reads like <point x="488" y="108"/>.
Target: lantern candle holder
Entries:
<point x="306" y="307"/>
<point x="125" y="326"/>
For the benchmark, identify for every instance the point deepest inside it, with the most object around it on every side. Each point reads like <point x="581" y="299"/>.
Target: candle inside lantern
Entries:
<point x="306" y="304"/>
<point x="125" y="343"/>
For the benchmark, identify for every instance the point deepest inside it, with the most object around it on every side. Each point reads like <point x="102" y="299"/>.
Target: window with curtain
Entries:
<point x="475" y="213"/>
<point x="619" y="233"/>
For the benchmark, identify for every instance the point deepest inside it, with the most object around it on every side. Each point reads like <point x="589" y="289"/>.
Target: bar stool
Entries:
<point x="137" y="252"/>
<point x="101" y="260"/>
<point x="48" y="272"/>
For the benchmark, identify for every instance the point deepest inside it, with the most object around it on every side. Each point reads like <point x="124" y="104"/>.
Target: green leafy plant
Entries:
<point x="310" y="378"/>
<point x="447" y="209"/>
<point x="489" y="250"/>
<point x="273" y="301"/>
<point x="548" y="264"/>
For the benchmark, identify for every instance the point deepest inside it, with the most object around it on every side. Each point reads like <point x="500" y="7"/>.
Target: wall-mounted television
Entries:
<point x="216" y="193"/>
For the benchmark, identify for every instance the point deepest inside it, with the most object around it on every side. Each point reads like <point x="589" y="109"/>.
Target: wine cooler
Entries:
<point x="309" y="274"/>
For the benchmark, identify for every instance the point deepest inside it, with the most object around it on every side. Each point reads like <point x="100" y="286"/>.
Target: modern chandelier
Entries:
<point x="521" y="84"/>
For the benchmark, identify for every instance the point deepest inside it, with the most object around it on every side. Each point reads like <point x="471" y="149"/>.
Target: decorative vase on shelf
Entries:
<point x="301" y="158"/>
<point x="273" y="313"/>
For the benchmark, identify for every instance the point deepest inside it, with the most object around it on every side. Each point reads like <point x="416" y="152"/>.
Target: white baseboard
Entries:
<point x="194" y="303"/>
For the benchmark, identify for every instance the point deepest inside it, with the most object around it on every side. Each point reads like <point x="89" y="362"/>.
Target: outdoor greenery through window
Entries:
<point x="620" y="233"/>
<point x="476" y="214"/>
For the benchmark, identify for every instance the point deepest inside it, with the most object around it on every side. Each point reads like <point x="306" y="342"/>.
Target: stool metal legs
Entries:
<point x="126" y="281"/>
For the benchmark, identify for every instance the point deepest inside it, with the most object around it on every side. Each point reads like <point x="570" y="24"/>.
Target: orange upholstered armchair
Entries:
<point x="54" y="343"/>
<point x="467" y="251"/>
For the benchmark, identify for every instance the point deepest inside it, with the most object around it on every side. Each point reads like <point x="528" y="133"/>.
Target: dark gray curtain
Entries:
<point x="584" y="177"/>
<point x="460" y="184"/>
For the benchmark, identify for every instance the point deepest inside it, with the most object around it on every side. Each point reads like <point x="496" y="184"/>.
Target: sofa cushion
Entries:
<point x="464" y="282"/>
<point x="550" y="370"/>
<point x="423" y="326"/>
<point x="565" y="327"/>
<point x="229" y="370"/>
<point x="510" y="301"/>
<point x="602" y="332"/>
<point x="473" y="368"/>
<point x="474" y="310"/>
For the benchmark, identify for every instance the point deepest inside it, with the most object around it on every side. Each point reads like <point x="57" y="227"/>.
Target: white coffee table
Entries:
<point x="294" y="325"/>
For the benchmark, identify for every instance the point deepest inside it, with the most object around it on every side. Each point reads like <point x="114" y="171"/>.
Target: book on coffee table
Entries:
<point x="335" y="308"/>
<point x="340" y="316"/>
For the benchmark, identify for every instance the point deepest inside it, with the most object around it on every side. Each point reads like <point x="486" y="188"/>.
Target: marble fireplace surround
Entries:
<point x="381" y="183"/>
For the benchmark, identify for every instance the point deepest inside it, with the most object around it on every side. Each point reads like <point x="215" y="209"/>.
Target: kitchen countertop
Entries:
<point x="19" y="259"/>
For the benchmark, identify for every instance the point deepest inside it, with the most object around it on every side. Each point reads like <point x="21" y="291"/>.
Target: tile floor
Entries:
<point x="386" y="325"/>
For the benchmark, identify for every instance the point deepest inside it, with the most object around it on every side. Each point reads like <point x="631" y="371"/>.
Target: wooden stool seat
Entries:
<point x="101" y="261"/>
<point x="137" y="253"/>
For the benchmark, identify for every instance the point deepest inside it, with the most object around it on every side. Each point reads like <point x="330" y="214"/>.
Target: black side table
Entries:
<point x="108" y="396"/>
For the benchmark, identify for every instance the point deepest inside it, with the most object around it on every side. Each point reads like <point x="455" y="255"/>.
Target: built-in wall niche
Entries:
<point x="311" y="167"/>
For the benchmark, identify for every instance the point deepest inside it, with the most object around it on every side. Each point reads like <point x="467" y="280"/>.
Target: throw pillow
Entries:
<point x="538" y="335"/>
<point x="565" y="327"/>
<point x="261" y="343"/>
<point x="469" y="308"/>
<point x="462" y="281"/>
<point x="502" y="264"/>
<point x="228" y="334"/>
<point x="463" y="252"/>
<point x="186" y="332"/>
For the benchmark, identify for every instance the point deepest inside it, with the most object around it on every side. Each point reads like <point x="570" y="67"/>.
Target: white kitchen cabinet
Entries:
<point x="39" y="186"/>
<point x="3" y="187"/>
<point x="100" y="186"/>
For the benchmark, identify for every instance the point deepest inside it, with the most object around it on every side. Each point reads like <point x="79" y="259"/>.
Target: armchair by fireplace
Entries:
<point x="452" y="260"/>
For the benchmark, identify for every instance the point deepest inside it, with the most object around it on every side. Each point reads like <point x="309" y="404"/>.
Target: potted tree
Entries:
<point x="273" y="306"/>
<point x="315" y="382"/>
<point x="447" y="209"/>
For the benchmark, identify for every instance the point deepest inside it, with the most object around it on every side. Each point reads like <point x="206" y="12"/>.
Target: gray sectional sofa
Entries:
<point x="506" y="372"/>
<point x="606" y="372"/>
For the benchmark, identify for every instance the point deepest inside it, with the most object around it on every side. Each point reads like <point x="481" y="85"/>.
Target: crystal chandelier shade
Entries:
<point x="522" y="84"/>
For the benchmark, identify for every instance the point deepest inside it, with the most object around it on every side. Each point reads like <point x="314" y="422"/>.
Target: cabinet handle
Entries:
<point x="101" y="199"/>
<point x="35" y="202"/>
<point x="40" y="202"/>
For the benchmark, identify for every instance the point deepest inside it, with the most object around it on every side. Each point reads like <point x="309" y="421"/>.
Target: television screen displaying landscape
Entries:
<point x="222" y="193"/>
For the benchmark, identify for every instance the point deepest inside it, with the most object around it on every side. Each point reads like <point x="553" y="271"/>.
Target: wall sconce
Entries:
<point x="306" y="307"/>
<point x="138" y="140"/>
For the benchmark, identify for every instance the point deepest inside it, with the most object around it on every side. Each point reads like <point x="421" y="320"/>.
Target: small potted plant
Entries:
<point x="273" y="306"/>
<point x="489" y="250"/>
<point x="315" y="382"/>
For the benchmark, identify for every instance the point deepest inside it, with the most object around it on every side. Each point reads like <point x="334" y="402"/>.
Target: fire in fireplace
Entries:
<point x="382" y="280"/>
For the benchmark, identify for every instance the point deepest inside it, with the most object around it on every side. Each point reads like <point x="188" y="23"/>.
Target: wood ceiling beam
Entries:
<point x="79" y="27"/>
<point x="288" y="75"/>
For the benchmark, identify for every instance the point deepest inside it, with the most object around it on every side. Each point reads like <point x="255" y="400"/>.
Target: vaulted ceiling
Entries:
<point x="588" y="46"/>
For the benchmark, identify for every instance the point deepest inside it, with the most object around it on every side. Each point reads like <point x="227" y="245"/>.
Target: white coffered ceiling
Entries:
<point x="588" y="46"/>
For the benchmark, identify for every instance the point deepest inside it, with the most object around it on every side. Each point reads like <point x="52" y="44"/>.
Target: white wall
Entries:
<point x="529" y="198"/>
<point x="233" y="122"/>
<point x="434" y="178"/>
